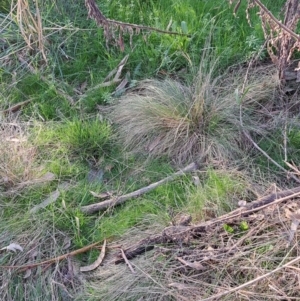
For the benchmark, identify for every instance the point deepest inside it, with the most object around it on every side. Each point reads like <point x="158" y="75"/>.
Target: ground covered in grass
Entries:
<point x="85" y="121"/>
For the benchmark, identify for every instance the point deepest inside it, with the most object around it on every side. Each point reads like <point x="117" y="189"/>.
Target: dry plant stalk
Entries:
<point x="282" y="41"/>
<point x="114" y="30"/>
<point x="30" y="25"/>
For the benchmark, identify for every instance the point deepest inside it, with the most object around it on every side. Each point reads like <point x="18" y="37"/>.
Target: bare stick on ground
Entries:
<point x="16" y="107"/>
<point x="121" y="199"/>
<point x="127" y="262"/>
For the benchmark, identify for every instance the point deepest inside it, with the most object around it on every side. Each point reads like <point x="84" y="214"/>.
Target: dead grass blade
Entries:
<point x="30" y="25"/>
<point x="270" y="159"/>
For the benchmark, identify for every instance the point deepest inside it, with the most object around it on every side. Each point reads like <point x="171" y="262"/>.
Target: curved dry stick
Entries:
<point x="121" y="199"/>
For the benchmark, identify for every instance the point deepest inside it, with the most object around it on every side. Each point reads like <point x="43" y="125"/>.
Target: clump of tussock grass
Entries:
<point x="185" y="123"/>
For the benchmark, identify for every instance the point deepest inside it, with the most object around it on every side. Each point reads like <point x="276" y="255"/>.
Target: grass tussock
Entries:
<point x="185" y="123"/>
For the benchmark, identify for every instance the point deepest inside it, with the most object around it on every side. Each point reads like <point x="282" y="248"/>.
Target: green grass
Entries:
<point x="219" y="192"/>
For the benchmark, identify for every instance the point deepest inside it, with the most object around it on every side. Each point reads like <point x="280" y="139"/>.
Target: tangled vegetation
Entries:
<point x="102" y="112"/>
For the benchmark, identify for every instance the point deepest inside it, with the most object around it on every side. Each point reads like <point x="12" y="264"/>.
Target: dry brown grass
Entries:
<point x="168" y="118"/>
<point x="18" y="158"/>
<point x="30" y="25"/>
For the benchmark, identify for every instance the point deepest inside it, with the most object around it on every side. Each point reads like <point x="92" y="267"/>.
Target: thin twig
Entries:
<point x="52" y="260"/>
<point x="285" y="139"/>
<point x="269" y="158"/>
<point x="293" y="167"/>
<point x="16" y="107"/>
<point x="127" y="262"/>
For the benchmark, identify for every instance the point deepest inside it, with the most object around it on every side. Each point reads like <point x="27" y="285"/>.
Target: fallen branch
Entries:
<point x="114" y="30"/>
<point x="179" y="233"/>
<point x="121" y="199"/>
